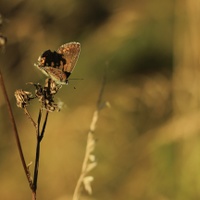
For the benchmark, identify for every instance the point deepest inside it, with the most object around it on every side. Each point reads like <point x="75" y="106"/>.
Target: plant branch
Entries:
<point x="89" y="149"/>
<point x="88" y="165"/>
<point x="44" y="125"/>
<point x="29" y="117"/>
<point x="26" y="170"/>
<point x="37" y="156"/>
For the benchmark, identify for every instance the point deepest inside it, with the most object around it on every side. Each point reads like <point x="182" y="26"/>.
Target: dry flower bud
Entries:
<point x="22" y="98"/>
<point x="45" y="94"/>
<point x="51" y="86"/>
<point x="87" y="183"/>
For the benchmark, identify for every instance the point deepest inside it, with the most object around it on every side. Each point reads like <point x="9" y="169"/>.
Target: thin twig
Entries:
<point x="90" y="138"/>
<point x="37" y="156"/>
<point x="37" y="159"/>
<point x="33" y="195"/>
<point x="44" y="125"/>
<point x="29" y="117"/>
<point x="90" y="144"/>
<point x="26" y="170"/>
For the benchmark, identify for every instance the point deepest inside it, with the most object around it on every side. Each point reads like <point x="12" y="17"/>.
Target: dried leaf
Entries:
<point x="87" y="183"/>
<point x="91" y="166"/>
<point x="92" y="157"/>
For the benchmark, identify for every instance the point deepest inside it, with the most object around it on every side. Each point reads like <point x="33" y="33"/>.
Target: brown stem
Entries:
<point x="26" y="170"/>
<point x="37" y="156"/>
<point x="29" y="116"/>
<point x="33" y="195"/>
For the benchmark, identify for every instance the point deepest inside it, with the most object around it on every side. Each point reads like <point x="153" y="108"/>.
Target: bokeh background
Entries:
<point x="148" y="141"/>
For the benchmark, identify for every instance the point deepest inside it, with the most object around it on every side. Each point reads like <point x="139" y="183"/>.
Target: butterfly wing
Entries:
<point x="60" y="64"/>
<point x="56" y="74"/>
<point x="70" y="52"/>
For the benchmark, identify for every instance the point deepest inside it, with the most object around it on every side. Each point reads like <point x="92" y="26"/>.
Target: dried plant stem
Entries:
<point x="40" y="136"/>
<point x="29" y="117"/>
<point x="26" y="170"/>
<point x="90" y="146"/>
<point x="33" y="195"/>
<point x="84" y="171"/>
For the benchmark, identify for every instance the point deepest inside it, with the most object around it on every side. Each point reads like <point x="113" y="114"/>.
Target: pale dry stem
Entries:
<point x="86" y="162"/>
<point x="89" y="162"/>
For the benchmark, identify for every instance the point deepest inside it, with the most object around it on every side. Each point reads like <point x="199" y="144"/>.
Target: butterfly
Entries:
<point x="58" y="65"/>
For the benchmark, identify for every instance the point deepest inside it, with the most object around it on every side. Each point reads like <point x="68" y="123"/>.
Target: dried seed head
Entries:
<point x="22" y="98"/>
<point x="51" y="87"/>
<point x="45" y="94"/>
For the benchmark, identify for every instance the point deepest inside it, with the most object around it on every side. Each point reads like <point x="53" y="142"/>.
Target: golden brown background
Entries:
<point x="148" y="142"/>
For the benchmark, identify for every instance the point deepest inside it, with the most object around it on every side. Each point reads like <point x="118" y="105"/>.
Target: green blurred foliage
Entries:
<point x="147" y="143"/>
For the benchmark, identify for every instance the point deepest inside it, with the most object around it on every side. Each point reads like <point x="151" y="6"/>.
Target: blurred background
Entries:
<point x="148" y="141"/>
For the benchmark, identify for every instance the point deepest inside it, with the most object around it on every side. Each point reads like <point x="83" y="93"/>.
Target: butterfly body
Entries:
<point x="59" y="64"/>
